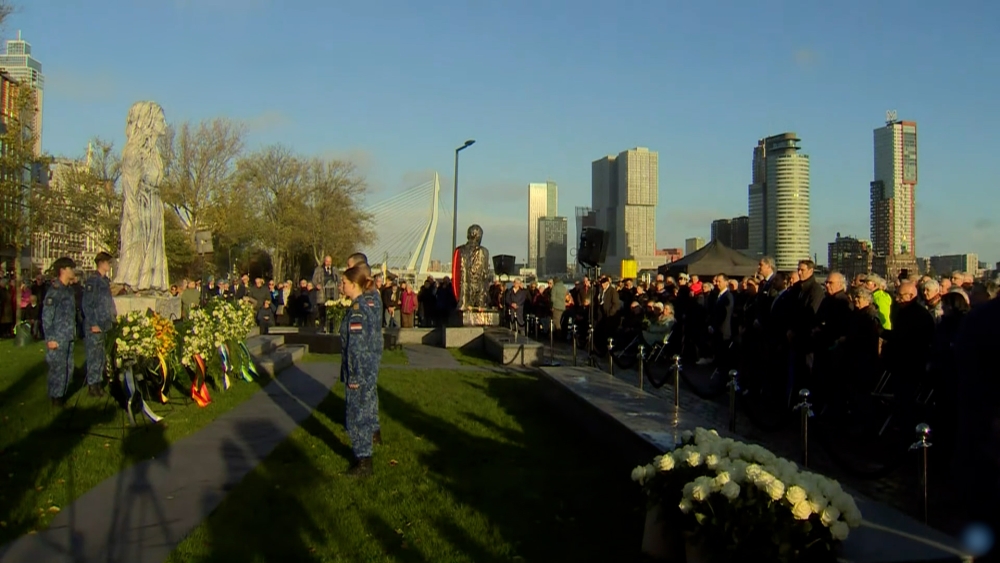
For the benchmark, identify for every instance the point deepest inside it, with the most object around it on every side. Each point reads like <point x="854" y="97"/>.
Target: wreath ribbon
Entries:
<point x="249" y="369"/>
<point x="199" y="391"/>
<point x="163" y="388"/>
<point x="132" y="394"/>
<point x="224" y="359"/>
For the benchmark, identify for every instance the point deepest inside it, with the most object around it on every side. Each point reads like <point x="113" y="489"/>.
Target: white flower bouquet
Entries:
<point x="335" y="311"/>
<point x="135" y="338"/>
<point x="746" y="502"/>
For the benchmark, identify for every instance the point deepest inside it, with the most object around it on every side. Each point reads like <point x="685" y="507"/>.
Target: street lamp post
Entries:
<point x="454" y="214"/>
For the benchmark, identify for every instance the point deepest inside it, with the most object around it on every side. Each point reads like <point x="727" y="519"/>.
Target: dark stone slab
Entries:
<point x="317" y="342"/>
<point x="642" y="426"/>
<point x="143" y="513"/>
<point x="485" y="318"/>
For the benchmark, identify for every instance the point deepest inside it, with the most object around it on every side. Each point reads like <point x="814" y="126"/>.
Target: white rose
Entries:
<point x="853" y="517"/>
<point x="685" y="505"/>
<point x="842" y="501"/>
<point x="731" y="490"/>
<point x="829" y="515"/>
<point x="763" y="479"/>
<point x="775" y="489"/>
<point x="802" y="511"/>
<point x="711" y="461"/>
<point x="839" y="531"/>
<point x="667" y="463"/>
<point x="701" y="490"/>
<point x="638" y="474"/>
<point x="693" y="458"/>
<point x="818" y="503"/>
<point x="650" y="472"/>
<point x="795" y="494"/>
<point x="722" y="478"/>
<point x="752" y="471"/>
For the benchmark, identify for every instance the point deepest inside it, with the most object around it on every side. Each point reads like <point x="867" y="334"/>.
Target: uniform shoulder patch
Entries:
<point x="355" y="306"/>
<point x="355" y="326"/>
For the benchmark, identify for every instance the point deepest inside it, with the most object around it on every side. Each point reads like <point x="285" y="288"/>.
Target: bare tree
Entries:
<point x="199" y="161"/>
<point x="6" y="9"/>
<point x="271" y="179"/>
<point x="333" y="192"/>
<point x="20" y="177"/>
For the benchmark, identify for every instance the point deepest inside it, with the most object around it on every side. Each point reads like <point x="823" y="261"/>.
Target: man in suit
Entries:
<point x="720" y="323"/>
<point x="607" y="306"/>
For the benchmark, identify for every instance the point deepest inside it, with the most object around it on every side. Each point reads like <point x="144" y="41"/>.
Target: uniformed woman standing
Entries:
<point x="361" y="354"/>
<point x="59" y="325"/>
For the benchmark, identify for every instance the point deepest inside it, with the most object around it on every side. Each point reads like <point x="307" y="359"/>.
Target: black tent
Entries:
<point x="711" y="259"/>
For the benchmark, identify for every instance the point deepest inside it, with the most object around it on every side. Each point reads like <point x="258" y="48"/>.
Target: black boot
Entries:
<point x="362" y="467"/>
<point x="95" y="390"/>
<point x="377" y="438"/>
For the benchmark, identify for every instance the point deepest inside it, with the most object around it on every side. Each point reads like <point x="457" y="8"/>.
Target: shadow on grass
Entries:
<point x="294" y="529"/>
<point x="544" y="488"/>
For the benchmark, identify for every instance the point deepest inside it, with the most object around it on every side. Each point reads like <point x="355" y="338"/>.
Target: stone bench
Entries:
<point x="642" y="426"/>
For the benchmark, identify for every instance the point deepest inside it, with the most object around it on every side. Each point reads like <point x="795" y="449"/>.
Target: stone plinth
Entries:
<point x="466" y="337"/>
<point x="166" y="306"/>
<point x="489" y="317"/>
<point x="509" y="349"/>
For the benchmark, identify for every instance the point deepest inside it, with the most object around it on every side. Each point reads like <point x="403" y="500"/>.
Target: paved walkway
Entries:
<point x="141" y="514"/>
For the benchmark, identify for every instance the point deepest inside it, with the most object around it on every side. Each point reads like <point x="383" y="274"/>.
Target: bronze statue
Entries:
<point x="471" y="272"/>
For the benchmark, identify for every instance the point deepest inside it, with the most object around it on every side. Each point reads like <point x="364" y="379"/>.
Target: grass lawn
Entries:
<point x="389" y="358"/>
<point x="473" y="359"/>
<point x="475" y="467"/>
<point x="49" y="456"/>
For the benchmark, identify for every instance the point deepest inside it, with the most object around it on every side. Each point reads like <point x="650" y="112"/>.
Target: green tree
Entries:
<point x="333" y="192"/>
<point x="21" y="188"/>
<point x="89" y="196"/>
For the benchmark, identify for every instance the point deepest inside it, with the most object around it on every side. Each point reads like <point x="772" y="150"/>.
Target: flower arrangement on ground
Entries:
<point x="743" y="501"/>
<point x="335" y="311"/>
<point x="134" y="338"/>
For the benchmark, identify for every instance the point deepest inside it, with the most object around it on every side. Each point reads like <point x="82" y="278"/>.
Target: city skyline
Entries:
<point x="702" y="134"/>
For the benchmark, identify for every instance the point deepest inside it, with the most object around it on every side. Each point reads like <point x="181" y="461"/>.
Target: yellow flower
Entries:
<point x="802" y="511"/>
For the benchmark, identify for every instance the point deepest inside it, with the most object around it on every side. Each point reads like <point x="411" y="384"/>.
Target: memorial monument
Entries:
<point x="471" y="281"/>
<point x="142" y="261"/>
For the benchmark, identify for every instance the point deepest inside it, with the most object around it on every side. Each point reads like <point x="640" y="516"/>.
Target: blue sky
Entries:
<point x="546" y="87"/>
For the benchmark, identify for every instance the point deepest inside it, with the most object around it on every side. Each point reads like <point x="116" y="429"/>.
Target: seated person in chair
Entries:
<point x="661" y="325"/>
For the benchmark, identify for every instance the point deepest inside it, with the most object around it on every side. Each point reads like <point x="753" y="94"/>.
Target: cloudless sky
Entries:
<point x="546" y="87"/>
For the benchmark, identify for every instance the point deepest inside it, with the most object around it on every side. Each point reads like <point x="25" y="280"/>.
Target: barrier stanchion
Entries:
<point x="573" y="330"/>
<point x="611" y="362"/>
<point x="641" y="350"/>
<point x="552" y="347"/>
<point x="734" y="388"/>
<point x="923" y="444"/>
<point x="806" y="408"/>
<point x="677" y="382"/>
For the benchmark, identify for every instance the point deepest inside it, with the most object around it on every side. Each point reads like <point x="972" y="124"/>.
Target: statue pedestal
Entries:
<point x="166" y="306"/>
<point x="489" y="317"/>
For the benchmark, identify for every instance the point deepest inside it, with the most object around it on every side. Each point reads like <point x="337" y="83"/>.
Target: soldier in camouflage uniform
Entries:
<point x="59" y="325"/>
<point x="373" y="299"/>
<point x="99" y="314"/>
<point x="361" y="342"/>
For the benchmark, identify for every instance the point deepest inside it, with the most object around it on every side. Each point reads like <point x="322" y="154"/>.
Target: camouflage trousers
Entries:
<point x="60" y="363"/>
<point x="96" y="357"/>
<point x="361" y="417"/>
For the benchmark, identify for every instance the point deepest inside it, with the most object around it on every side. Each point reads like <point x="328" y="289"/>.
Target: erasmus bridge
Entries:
<point x="405" y="227"/>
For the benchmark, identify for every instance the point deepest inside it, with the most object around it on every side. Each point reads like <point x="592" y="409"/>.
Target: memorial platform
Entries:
<point x="507" y="348"/>
<point x="641" y="425"/>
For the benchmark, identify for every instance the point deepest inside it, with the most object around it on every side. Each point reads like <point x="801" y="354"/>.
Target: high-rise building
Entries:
<point x="740" y="233"/>
<point x="624" y="193"/>
<point x="692" y="245"/>
<point x="945" y="265"/>
<point x="893" y="197"/>
<point x="543" y="201"/>
<point x="778" y="202"/>
<point x="552" y="247"/>
<point x="24" y="68"/>
<point x="849" y="256"/>
<point x="722" y="231"/>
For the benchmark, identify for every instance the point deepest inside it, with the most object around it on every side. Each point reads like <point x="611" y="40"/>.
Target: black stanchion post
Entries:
<point x="734" y="387"/>
<point x="923" y="444"/>
<point x="574" y="345"/>
<point x="641" y="350"/>
<point x="807" y="412"/>
<point x="552" y="346"/>
<point x="677" y="382"/>
<point x="611" y="361"/>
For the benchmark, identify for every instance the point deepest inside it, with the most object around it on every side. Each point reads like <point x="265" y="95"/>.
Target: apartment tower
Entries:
<point x="778" y="202"/>
<point x="20" y="65"/>
<point x="893" y="197"/>
<point x="624" y="194"/>
<point x="543" y="201"/>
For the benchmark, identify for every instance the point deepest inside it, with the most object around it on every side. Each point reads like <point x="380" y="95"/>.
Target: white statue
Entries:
<point x="142" y="262"/>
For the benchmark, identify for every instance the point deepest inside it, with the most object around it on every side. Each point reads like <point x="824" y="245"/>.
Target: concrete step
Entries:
<point x="279" y="358"/>
<point x="262" y="345"/>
